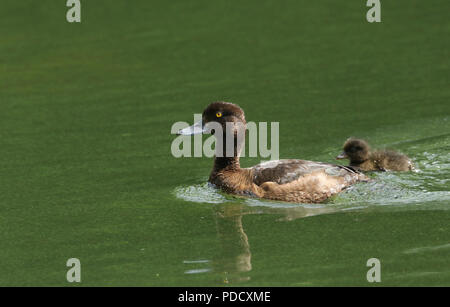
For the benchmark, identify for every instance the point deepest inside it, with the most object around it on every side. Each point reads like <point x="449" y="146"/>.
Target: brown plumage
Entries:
<point x="360" y="155"/>
<point x="286" y="180"/>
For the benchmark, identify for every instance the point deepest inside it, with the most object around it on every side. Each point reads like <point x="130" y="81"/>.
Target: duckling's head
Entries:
<point x="217" y="115"/>
<point x="356" y="150"/>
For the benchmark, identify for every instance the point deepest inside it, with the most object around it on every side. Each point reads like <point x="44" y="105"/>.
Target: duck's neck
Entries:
<point x="229" y="163"/>
<point x="227" y="159"/>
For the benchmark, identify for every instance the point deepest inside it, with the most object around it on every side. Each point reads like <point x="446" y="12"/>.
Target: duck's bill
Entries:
<point x="196" y="128"/>
<point x="342" y="155"/>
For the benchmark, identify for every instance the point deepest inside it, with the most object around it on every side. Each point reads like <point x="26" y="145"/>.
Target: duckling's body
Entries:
<point x="360" y="155"/>
<point x="285" y="180"/>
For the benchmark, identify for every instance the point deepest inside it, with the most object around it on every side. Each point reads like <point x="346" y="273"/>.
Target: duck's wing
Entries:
<point x="286" y="171"/>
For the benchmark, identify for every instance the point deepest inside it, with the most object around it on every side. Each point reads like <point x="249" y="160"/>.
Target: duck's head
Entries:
<point x="356" y="150"/>
<point x="216" y="115"/>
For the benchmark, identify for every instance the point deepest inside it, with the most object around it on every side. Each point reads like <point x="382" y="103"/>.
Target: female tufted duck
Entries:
<point x="358" y="151"/>
<point x="285" y="180"/>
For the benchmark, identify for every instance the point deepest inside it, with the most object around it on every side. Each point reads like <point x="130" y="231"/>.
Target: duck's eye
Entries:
<point x="219" y="114"/>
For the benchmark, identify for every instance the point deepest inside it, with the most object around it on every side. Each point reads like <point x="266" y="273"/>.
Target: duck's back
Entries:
<point x="302" y="180"/>
<point x="288" y="170"/>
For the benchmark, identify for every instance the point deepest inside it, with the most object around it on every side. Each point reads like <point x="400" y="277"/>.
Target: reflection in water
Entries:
<point x="233" y="259"/>
<point x="234" y="256"/>
<point x="290" y="212"/>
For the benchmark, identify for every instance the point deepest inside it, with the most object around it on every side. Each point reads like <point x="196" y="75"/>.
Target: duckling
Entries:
<point x="288" y="180"/>
<point x="359" y="153"/>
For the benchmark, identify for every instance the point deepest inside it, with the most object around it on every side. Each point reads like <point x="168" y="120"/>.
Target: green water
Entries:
<point x="86" y="168"/>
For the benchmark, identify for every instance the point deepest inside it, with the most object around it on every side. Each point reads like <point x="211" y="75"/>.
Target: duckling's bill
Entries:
<point x="341" y="156"/>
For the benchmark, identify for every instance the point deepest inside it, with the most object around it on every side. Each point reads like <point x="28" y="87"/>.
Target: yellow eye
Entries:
<point x="219" y="114"/>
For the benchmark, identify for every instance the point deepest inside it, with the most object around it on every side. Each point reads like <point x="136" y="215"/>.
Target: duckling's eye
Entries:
<point x="219" y="114"/>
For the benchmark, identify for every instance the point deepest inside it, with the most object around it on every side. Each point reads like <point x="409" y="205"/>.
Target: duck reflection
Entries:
<point x="233" y="259"/>
<point x="234" y="256"/>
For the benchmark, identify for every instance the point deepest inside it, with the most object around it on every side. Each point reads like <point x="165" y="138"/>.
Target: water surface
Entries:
<point x="86" y="168"/>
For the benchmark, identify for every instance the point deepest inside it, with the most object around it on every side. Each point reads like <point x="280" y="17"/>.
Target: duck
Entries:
<point x="360" y="155"/>
<point x="288" y="180"/>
